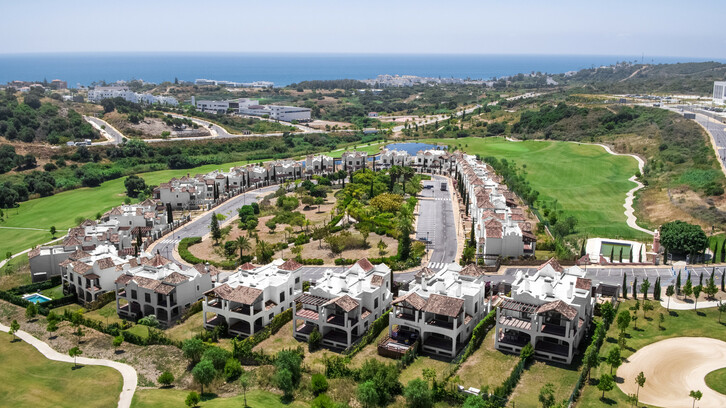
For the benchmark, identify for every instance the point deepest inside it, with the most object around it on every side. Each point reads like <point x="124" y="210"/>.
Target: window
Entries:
<point x="271" y="316"/>
<point x="375" y="303"/>
<point x="290" y="291"/>
<point x="297" y="280"/>
<point x="147" y="297"/>
<point x="133" y="294"/>
<point x="282" y="296"/>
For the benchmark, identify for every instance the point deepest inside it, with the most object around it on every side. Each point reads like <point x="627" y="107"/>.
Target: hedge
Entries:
<point x="37" y="287"/>
<point x="242" y="350"/>
<point x="477" y="337"/>
<point x="345" y="261"/>
<point x="311" y="261"/>
<point x="102" y="300"/>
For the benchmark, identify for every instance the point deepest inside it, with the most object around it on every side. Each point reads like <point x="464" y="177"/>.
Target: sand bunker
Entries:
<point x="673" y="368"/>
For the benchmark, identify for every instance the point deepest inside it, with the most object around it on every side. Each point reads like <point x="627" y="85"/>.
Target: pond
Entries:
<point x="413" y="147"/>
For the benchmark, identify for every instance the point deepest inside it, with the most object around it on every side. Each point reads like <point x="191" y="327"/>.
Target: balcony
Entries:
<point x="515" y="322"/>
<point x="308" y="314"/>
<point x="406" y="316"/>
<point x="337" y="320"/>
<point x="215" y="304"/>
<point x="554" y="329"/>
<point x="444" y="324"/>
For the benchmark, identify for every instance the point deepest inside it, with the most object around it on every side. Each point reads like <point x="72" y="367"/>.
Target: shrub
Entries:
<point x="166" y="378"/>
<point x="232" y="369"/>
<point x="319" y="384"/>
<point x="217" y="356"/>
<point x="314" y="340"/>
<point x="192" y="399"/>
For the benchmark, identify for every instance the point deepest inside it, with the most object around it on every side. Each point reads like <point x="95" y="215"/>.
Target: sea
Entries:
<point x="284" y="69"/>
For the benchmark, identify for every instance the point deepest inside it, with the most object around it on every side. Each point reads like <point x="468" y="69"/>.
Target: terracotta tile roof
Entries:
<point x="146" y="283"/>
<point x="156" y="261"/>
<point x="552" y="262"/>
<point x="290" y="265"/>
<point x="467" y="319"/>
<point x="444" y="305"/>
<point x="425" y="272"/>
<point x="88" y="223"/>
<point x="345" y="302"/>
<point x="270" y="305"/>
<point x="105" y="263"/>
<point x="124" y="279"/>
<point x="365" y="264"/>
<point x="560" y="307"/>
<point x="364" y="313"/>
<point x="163" y="289"/>
<point x="377" y="280"/>
<point x="78" y="254"/>
<point x="116" y="211"/>
<point x="240" y="294"/>
<point x="71" y="241"/>
<point x="247" y="266"/>
<point x="493" y="229"/>
<point x="148" y="203"/>
<point x="91" y="276"/>
<point x="80" y="267"/>
<point x="582" y="283"/>
<point x="34" y="252"/>
<point x="204" y="268"/>
<point x="472" y="270"/>
<point x="88" y="247"/>
<point x="413" y="299"/>
<point x="175" y="278"/>
<point x="65" y="263"/>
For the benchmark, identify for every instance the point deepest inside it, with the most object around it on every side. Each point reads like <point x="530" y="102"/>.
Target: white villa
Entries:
<point x="551" y="310"/>
<point x="248" y="300"/>
<point x="394" y="158"/>
<point x="343" y="305"/>
<point x="440" y="310"/>
<point x="319" y="163"/>
<point x="89" y="275"/>
<point x="119" y="227"/>
<point x="354" y="160"/>
<point x="157" y="286"/>
<point x="500" y="227"/>
<point x="100" y="93"/>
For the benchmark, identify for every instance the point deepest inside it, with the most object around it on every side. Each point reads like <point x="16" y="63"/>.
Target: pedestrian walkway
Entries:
<point x="437" y="265"/>
<point x="127" y="372"/>
<point x="678" y="304"/>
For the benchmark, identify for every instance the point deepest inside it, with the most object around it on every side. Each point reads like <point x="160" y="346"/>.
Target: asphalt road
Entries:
<point x="712" y="123"/>
<point x="200" y="226"/>
<point x="436" y="222"/>
<point x="115" y="134"/>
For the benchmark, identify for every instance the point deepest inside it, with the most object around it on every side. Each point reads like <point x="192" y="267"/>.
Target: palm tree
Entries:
<point x="408" y="174"/>
<point x="243" y="244"/>
<point x="263" y="252"/>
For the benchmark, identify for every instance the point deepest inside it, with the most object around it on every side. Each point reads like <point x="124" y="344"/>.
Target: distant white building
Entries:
<point x="390" y="158"/>
<point x="318" y="163"/>
<point x="440" y="309"/>
<point x="245" y="106"/>
<point x="719" y="92"/>
<point x="354" y="160"/>
<point x="551" y="310"/>
<point x="248" y="300"/>
<point x="100" y="93"/>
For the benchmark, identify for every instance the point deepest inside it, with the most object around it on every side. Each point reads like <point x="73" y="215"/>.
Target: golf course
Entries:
<point x="587" y="182"/>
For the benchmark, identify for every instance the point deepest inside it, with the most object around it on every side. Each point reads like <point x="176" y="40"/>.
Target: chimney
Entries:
<point x="571" y="290"/>
<point x="458" y="289"/>
<point x="423" y="283"/>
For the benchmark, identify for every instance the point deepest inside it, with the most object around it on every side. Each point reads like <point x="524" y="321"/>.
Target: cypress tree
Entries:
<point x="612" y="254"/>
<point x="635" y="288"/>
<point x="472" y="236"/>
<point x="723" y="275"/>
<point x="640" y="255"/>
<point x="625" y="285"/>
<point x="700" y="279"/>
<point x="631" y="255"/>
<point x="723" y="251"/>
<point x="678" y="283"/>
<point x="621" y="255"/>
<point x="582" y="248"/>
<point x="656" y="289"/>
<point x="713" y="256"/>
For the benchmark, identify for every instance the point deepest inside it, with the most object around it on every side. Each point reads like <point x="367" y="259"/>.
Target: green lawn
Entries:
<point x="96" y="314"/>
<point x="586" y="181"/>
<point x="191" y="327"/>
<point x="139" y="330"/>
<point x="27" y="379"/>
<point x="607" y="248"/>
<point x="62" y="209"/>
<point x="53" y="293"/>
<point x="716" y="380"/>
<point x="173" y="398"/>
<point x="415" y="370"/>
<point x="681" y="323"/>
<point x="563" y="378"/>
<point x="487" y="366"/>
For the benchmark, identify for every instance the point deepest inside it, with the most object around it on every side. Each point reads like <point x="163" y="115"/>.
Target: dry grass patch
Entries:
<point x="563" y="378"/>
<point x="487" y="366"/>
<point x="415" y="370"/>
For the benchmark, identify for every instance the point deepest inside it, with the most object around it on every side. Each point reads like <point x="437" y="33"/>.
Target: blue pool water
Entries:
<point x="36" y="298"/>
<point x="412" y="148"/>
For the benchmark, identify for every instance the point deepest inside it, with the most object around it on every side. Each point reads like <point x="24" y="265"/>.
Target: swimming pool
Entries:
<point x="36" y="298"/>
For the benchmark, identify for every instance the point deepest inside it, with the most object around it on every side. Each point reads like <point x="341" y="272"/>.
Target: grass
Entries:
<point x="586" y="181"/>
<point x="607" y="248"/>
<point x="173" y="398"/>
<point x="139" y="330"/>
<point x="53" y="293"/>
<point x="716" y="380"/>
<point x="487" y="366"/>
<point x="681" y="323"/>
<point x="191" y="327"/>
<point x="563" y="378"/>
<point x="15" y="273"/>
<point x="72" y="307"/>
<point x="96" y="314"/>
<point x="415" y="370"/>
<point x="30" y="380"/>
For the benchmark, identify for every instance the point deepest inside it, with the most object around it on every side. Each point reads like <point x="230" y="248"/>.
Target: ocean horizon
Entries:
<point x="286" y="68"/>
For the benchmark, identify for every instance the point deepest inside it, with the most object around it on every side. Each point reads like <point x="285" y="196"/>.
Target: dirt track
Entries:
<point x="673" y="368"/>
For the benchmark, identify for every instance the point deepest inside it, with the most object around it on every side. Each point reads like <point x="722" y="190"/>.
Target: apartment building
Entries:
<point x="354" y="160"/>
<point x="394" y="157"/>
<point x="551" y="310"/>
<point x="156" y="286"/>
<point x="100" y="93"/>
<point x="248" y="299"/>
<point x="342" y="305"/>
<point x="319" y="164"/>
<point x="440" y="310"/>
<point x="90" y="274"/>
<point x="245" y="106"/>
<point x="119" y="227"/>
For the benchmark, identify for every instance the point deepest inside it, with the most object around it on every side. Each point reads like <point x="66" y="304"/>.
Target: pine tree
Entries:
<point x="625" y="285"/>
<point x="214" y="229"/>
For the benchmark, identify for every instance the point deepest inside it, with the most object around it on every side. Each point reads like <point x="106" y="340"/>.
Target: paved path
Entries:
<point x="678" y="304"/>
<point x="127" y="372"/>
<point x="113" y="135"/>
<point x="436" y="222"/>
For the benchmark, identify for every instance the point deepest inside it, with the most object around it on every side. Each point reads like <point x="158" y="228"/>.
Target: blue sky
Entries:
<point x="614" y="27"/>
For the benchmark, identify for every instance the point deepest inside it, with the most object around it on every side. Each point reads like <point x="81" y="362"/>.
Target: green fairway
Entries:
<point x="716" y="380"/>
<point x="587" y="182"/>
<point x="62" y="209"/>
<point x="28" y="379"/>
<point x="173" y="398"/>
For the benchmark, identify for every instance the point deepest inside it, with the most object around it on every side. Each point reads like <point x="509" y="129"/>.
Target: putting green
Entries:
<point x="586" y="181"/>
